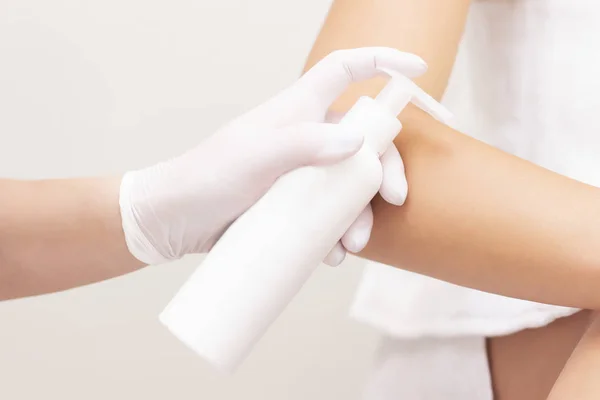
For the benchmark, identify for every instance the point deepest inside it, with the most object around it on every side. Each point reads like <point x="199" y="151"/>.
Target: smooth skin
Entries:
<point x="59" y="234"/>
<point x="579" y="379"/>
<point x="473" y="212"/>
<point x="461" y="223"/>
<point x="475" y="216"/>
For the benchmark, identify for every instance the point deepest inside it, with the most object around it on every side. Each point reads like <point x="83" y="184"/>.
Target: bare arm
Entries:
<point x="579" y="378"/>
<point x="475" y="216"/>
<point x="431" y="29"/>
<point x="58" y="234"/>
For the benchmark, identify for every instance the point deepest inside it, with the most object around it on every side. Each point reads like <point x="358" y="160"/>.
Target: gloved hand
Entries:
<point x="183" y="205"/>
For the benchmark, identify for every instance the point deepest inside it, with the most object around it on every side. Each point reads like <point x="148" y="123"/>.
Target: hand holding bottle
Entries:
<point x="183" y="205"/>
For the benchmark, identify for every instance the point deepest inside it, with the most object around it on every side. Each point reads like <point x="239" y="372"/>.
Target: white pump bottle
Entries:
<point x="265" y="257"/>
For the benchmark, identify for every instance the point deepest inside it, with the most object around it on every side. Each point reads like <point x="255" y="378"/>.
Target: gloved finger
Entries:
<point x="357" y="236"/>
<point x="310" y="96"/>
<point x="394" y="187"/>
<point x="330" y="77"/>
<point x="309" y="144"/>
<point x="336" y="256"/>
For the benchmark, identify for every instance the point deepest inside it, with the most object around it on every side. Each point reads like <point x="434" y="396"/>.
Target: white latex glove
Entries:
<point x="183" y="205"/>
<point x="394" y="190"/>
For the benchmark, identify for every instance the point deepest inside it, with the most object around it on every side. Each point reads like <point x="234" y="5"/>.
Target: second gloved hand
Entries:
<point x="182" y="206"/>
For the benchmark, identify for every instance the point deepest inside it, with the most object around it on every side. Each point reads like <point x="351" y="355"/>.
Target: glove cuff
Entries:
<point x="139" y="245"/>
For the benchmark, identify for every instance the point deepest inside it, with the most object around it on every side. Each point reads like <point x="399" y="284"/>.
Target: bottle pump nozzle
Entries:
<point x="380" y="114"/>
<point x="400" y="90"/>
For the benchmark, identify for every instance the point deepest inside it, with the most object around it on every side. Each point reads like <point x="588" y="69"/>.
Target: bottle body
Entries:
<point x="266" y="256"/>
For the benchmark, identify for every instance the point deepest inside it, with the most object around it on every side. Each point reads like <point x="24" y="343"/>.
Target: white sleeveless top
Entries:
<point x="526" y="80"/>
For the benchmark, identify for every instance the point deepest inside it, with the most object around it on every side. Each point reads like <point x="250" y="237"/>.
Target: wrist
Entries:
<point x="107" y="199"/>
<point x="133" y="192"/>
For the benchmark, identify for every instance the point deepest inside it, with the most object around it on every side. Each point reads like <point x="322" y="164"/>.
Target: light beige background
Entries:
<point x="99" y="86"/>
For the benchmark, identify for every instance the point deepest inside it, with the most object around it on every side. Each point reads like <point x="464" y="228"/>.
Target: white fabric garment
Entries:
<point x="425" y="369"/>
<point x="526" y="81"/>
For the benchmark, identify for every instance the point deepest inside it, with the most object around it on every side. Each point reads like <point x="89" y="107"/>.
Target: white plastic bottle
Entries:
<point x="266" y="256"/>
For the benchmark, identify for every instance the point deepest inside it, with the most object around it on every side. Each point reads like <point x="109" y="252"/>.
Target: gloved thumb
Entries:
<point x="313" y="144"/>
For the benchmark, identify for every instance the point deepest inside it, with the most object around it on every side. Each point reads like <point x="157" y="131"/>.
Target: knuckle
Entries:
<point x="336" y="56"/>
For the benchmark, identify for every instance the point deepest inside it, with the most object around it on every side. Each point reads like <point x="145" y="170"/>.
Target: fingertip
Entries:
<point x="394" y="187"/>
<point x="357" y="236"/>
<point x="395" y="193"/>
<point x="408" y="64"/>
<point x="339" y="144"/>
<point x="330" y="77"/>
<point x="336" y="256"/>
<point x="422" y="65"/>
<point x="313" y="144"/>
<point x="356" y="241"/>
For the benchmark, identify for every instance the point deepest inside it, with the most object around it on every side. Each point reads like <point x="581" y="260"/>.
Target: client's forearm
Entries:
<point x="479" y="217"/>
<point x="474" y="215"/>
<point x="58" y="234"/>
